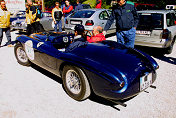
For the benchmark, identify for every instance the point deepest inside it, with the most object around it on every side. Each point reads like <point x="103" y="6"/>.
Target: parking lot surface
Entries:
<point x="30" y="92"/>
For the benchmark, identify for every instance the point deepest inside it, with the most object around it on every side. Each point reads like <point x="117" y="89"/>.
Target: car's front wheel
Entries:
<point x="20" y="55"/>
<point x="76" y="83"/>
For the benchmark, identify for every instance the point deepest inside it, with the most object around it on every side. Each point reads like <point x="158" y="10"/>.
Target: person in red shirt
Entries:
<point x="98" y="3"/>
<point x="67" y="10"/>
<point x="97" y="35"/>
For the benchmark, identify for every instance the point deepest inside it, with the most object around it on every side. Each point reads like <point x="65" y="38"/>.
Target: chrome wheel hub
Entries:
<point x="73" y="82"/>
<point x="21" y="55"/>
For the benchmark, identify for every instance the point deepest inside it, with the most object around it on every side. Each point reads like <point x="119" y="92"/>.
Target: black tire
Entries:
<point x="170" y="48"/>
<point x="20" y="55"/>
<point x="75" y="83"/>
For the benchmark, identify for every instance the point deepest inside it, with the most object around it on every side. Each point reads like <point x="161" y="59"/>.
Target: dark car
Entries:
<point x="108" y="69"/>
<point x="46" y="21"/>
<point x="18" y="15"/>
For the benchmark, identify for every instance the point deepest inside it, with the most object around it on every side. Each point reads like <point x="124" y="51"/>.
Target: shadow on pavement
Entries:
<point x="170" y="60"/>
<point x="47" y="73"/>
<point x="93" y="97"/>
<point x="110" y="35"/>
<point x="157" y="53"/>
<point x="107" y="102"/>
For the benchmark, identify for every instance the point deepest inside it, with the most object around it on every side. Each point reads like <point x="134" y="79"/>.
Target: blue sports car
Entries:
<point x="108" y="69"/>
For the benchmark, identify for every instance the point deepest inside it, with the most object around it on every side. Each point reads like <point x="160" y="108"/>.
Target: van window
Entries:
<point x="150" y="21"/>
<point x="82" y="14"/>
<point x="170" y="19"/>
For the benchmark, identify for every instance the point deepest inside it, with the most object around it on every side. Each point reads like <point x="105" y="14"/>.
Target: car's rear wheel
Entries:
<point x="76" y="83"/>
<point x="20" y="55"/>
<point x="170" y="48"/>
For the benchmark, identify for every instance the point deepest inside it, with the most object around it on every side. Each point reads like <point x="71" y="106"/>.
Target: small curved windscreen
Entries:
<point x="82" y="14"/>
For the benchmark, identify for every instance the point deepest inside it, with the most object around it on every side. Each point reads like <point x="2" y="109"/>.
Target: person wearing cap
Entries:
<point x="97" y="35"/>
<point x="67" y="10"/>
<point x="79" y="39"/>
<point x="57" y="15"/>
<point x="4" y="23"/>
<point x="127" y="20"/>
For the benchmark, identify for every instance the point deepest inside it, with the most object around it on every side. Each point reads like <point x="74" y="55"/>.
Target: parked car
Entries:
<point x="46" y="21"/>
<point x="156" y="28"/>
<point x="18" y="15"/>
<point x="108" y="69"/>
<point x="142" y="6"/>
<point x="89" y="18"/>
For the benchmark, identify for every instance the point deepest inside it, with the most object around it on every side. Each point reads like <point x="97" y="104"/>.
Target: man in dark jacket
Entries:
<point x="79" y="39"/>
<point x="126" y="22"/>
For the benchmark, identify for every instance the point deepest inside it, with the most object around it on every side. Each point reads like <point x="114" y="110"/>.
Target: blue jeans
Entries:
<point x="7" y="32"/>
<point x="58" y="23"/>
<point x="126" y="37"/>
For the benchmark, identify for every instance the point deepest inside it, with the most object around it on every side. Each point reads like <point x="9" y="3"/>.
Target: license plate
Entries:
<point x="145" y="81"/>
<point x="75" y="22"/>
<point x="143" y="33"/>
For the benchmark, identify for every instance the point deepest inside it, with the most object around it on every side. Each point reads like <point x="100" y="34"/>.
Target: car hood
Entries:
<point x="114" y="59"/>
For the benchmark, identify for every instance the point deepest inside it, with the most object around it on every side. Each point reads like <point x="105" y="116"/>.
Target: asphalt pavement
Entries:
<point x="30" y="92"/>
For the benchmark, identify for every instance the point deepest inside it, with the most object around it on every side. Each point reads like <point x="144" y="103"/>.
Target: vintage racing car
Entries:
<point x="108" y="69"/>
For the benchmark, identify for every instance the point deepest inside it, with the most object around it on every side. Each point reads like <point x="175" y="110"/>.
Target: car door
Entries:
<point x="103" y="17"/>
<point x="46" y="56"/>
<point x="171" y="26"/>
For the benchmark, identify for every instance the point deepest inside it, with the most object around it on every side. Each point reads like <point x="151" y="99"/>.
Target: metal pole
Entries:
<point x="43" y="6"/>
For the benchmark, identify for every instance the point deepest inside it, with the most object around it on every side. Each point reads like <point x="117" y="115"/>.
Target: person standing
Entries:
<point x="126" y="22"/>
<point x="4" y="23"/>
<point x="34" y="20"/>
<point x="67" y="10"/>
<point x="28" y="21"/>
<point x="79" y="6"/>
<point x="98" y="4"/>
<point x="57" y="15"/>
<point x="62" y="4"/>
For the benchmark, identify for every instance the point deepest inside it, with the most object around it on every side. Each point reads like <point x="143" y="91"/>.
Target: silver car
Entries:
<point x="46" y="21"/>
<point x="89" y="18"/>
<point x="156" y="28"/>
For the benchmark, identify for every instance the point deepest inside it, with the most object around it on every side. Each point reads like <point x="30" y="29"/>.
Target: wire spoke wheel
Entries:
<point x="75" y="83"/>
<point x="20" y="55"/>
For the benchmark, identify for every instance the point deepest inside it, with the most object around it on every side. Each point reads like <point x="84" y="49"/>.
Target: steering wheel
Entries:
<point x="88" y="33"/>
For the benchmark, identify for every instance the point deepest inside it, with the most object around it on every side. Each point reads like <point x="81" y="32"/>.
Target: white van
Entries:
<point x="171" y="7"/>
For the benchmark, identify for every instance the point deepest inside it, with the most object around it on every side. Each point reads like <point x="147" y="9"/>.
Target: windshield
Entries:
<point x="82" y="14"/>
<point x="150" y="21"/>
